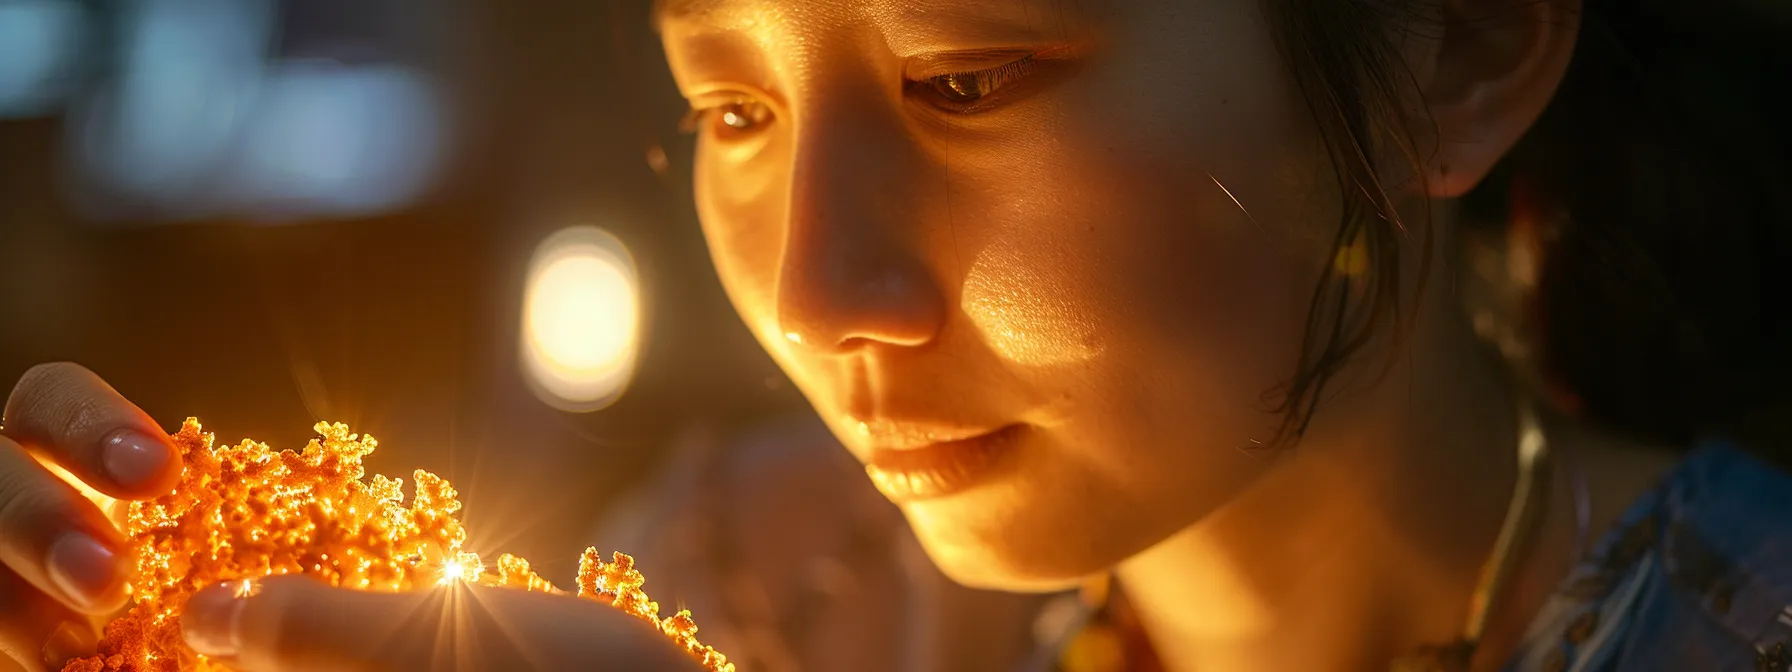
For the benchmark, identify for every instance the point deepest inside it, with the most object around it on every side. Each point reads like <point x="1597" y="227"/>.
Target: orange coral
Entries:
<point x="246" y="511"/>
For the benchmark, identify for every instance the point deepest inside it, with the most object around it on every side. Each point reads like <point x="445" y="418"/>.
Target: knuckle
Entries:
<point x="55" y="401"/>
<point x="30" y="389"/>
<point x="38" y="388"/>
<point x="26" y="498"/>
<point x="46" y="377"/>
<point x="49" y="371"/>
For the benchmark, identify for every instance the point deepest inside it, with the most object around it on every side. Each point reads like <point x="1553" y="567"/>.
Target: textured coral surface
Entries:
<point x="246" y="511"/>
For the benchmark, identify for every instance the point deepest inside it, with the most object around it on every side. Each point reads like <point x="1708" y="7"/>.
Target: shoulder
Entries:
<point x="1696" y="575"/>
<point x="1722" y="479"/>
<point x="1725" y="511"/>
<point x="1723" y="551"/>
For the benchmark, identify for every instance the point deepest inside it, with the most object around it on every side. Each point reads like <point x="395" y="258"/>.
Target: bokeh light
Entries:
<point x="188" y="73"/>
<point x="193" y="113"/>
<point x="328" y="139"/>
<point x="40" y="45"/>
<point x="581" y="320"/>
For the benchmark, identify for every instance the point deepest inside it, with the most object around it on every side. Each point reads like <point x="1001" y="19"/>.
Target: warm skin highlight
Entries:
<point x="1117" y="253"/>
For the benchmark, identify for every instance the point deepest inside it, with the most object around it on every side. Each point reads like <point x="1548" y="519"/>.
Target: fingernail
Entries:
<point x="134" y="459"/>
<point x="70" y="641"/>
<point x="84" y="569"/>
<point x="210" y="620"/>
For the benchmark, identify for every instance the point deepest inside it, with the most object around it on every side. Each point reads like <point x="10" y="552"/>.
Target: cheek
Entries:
<point x="1033" y="304"/>
<point x="741" y="206"/>
<point x="1171" y="201"/>
<point x="1103" y="255"/>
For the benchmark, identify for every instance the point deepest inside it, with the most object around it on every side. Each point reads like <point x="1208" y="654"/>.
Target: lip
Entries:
<point x="913" y="435"/>
<point x="935" y="464"/>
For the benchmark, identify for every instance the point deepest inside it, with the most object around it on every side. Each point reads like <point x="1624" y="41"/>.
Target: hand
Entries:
<point x="293" y="624"/>
<point x="61" y="559"/>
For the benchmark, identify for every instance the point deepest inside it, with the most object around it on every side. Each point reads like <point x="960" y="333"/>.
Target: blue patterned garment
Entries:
<point x="1695" y="577"/>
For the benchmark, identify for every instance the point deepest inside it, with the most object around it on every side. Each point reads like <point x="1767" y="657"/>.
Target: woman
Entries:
<point x="1168" y="290"/>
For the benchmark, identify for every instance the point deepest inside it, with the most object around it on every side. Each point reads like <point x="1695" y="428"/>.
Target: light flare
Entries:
<point x="462" y="568"/>
<point x="245" y="512"/>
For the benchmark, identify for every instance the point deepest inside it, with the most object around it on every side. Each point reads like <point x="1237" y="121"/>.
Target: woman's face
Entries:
<point x="1003" y="247"/>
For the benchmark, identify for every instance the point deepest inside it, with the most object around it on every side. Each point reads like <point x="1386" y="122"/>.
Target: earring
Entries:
<point x="1352" y="261"/>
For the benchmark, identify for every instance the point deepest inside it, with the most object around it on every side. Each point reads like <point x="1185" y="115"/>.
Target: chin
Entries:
<point x="993" y="571"/>
<point x="994" y="552"/>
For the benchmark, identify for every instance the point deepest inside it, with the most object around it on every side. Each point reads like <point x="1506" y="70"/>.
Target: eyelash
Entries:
<point x="740" y="115"/>
<point x="967" y="92"/>
<point x="955" y="92"/>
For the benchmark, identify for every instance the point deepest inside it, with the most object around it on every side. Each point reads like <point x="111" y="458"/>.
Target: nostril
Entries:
<point x="834" y="313"/>
<point x="861" y="326"/>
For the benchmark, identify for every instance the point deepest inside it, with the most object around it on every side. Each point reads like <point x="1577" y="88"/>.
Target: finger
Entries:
<point x="38" y="632"/>
<point x="56" y="539"/>
<point x="69" y="414"/>
<point x="293" y="624"/>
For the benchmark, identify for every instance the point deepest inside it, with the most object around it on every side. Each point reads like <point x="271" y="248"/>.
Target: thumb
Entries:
<point x="295" y="624"/>
<point x="284" y="624"/>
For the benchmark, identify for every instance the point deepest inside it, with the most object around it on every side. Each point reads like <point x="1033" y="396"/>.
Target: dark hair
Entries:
<point x="1657" y="185"/>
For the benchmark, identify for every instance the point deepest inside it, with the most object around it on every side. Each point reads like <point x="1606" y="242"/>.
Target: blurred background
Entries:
<point x="461" y="226"/>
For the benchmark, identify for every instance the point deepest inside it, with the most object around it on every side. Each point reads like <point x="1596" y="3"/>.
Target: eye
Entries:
<point x="962" y="91"/>
<point x="737" y="116"/>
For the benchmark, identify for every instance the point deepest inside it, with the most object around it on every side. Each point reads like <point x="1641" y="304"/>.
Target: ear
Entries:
<point x="1494" y="71"/>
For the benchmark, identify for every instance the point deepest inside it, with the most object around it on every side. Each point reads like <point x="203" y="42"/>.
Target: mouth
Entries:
<point x="931" y="465"/>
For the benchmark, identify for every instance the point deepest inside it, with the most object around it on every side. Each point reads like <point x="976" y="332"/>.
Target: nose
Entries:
<point x="855" y="272"/>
